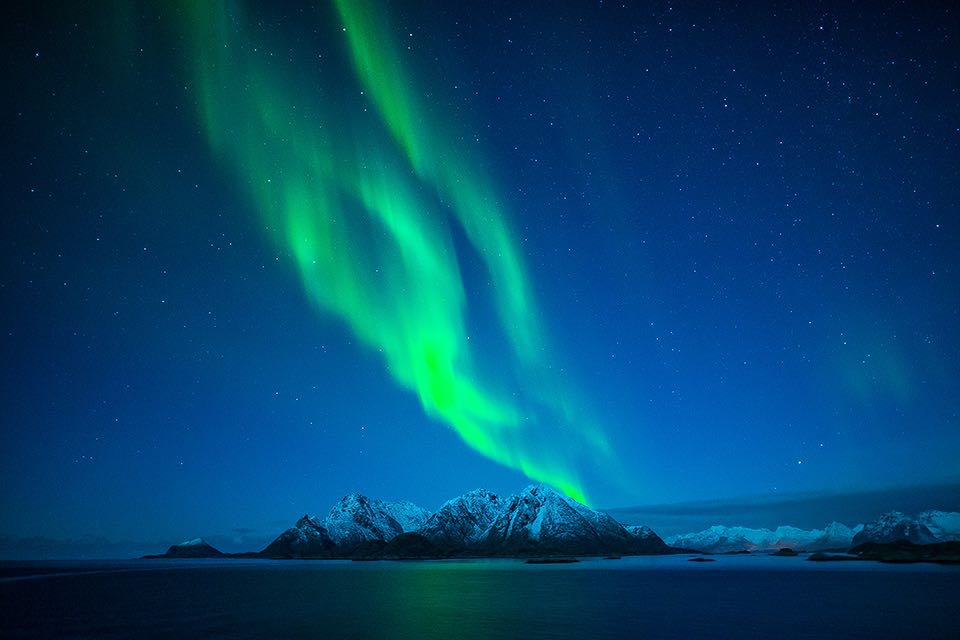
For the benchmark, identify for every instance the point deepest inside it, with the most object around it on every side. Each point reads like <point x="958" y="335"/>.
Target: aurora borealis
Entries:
<point x="263" y="256"/>
<point x="372" y="244"/>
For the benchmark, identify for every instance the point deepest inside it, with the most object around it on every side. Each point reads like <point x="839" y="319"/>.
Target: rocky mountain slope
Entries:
<point x="929" y="527"/>
<point x="541" y="521"/>
<point x="944" y="525"/>
<point x="308" y="538"/>
<point x="356" y="519"/>
<point x="463" y="520"/>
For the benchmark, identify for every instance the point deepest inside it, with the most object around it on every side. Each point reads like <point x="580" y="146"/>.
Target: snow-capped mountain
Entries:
<point x="357" y="519"/>
<point x="463" y="520"/>
<point x="894" y="526"/>
<point x="926" y="528"/>
<point x="195" y="543"/>
<point x="944" y="525"/>
<point x="307" y="539"/>
<point x="835" y="536"/>
<point x="720" y="539"/>
<point x="541" y="520"/>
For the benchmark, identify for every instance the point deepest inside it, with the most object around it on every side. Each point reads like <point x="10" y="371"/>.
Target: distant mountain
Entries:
<point x="836" y="536"/>
<point x="927" y="528"/>
<point x="306" y="539"/>
<point x="894" y="526"/>
<point x="357" y="519"/>
<point x="541" y="521"/>
<point x="720" y="539"/>
<point x="196" y="548"/>
<point x="944" y="525"/>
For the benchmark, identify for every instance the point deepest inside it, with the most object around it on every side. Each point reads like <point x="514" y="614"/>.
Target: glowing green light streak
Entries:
<point x="435" y="159"/>
<point x="370" y="247"/>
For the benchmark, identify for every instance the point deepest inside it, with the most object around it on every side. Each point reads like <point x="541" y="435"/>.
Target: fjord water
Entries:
<point x="662" y="597"/>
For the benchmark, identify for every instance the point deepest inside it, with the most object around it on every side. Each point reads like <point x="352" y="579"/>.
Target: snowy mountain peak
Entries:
<point x="545" y="494"/>
<point x="895" y="526"/>
<point x="357" y="518"/>
<point x="891" y="519"/>
<point x="308" y="521"/>
<point x="464" y="519"/>
<point x="642" y="532"/>
<point x="838" y="528"/>
<point x="541" y="492"/>
<point x="351" y="501"/>
<point x="476" y="495"/>
<point x="945" y="525"/>
<point x="306" y="539"/>
<point x="195" y="548"/>
<point x="541" y="520"/>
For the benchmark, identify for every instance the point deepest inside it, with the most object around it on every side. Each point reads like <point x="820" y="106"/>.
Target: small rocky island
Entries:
<point x="901" y="552"/>
<point x="196" y="548"/>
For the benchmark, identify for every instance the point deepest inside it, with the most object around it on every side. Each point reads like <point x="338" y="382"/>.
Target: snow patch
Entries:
<point x="196" y="542"/>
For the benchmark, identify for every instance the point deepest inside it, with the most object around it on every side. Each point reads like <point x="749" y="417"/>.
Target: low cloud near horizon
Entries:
<point x="101" y="548"/>
<point x="807" y="511"/>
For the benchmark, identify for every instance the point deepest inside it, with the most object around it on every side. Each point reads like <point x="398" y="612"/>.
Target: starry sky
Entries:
<point x="255" y="258"/>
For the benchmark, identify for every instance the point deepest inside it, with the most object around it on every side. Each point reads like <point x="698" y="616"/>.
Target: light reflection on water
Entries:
<point x="633" y="597"/>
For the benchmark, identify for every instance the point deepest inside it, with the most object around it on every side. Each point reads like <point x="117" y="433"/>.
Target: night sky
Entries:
<point x="255" y="258"/>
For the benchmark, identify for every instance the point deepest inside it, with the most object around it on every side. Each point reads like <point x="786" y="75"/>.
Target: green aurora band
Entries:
<point x="363" y="202"/>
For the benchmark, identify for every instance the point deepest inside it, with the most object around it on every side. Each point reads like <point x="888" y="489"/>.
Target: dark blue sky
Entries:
<point x="738" y="224"/>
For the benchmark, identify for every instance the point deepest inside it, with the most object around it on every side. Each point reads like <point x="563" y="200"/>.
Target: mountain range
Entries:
<point x="927" y="528"/>
<point x="539" y="521"/>
<point x="720" y="539"/>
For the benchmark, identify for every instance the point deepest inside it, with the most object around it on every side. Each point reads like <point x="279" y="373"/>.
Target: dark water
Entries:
<point x="742" y="597"/>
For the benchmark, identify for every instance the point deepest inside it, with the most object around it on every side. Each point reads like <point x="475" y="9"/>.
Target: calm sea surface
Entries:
<point x="662" y="597"/>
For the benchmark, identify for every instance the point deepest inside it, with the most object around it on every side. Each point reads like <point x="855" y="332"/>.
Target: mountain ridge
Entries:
<point x="928" y="527"/>
<point x="540" y="521"/>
